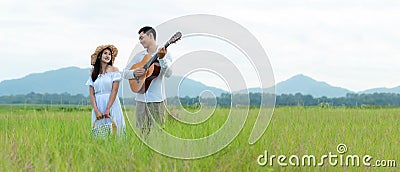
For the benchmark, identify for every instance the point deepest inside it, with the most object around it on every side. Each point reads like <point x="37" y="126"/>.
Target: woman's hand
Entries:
<point x="106" y="113"/>
<point x="98" y="115"/>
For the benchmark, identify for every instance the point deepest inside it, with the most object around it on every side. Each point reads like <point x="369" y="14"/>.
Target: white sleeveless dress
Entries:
<point x="102" y="88"/>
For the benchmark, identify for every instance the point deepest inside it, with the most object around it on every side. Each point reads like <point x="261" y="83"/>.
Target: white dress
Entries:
<point x="102" y="88"/>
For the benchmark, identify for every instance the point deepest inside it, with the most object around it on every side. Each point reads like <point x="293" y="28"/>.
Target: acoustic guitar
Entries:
<point x="152" y="67"/>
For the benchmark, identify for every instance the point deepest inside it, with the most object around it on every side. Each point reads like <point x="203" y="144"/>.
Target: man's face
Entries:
<point x="145" y="39"/>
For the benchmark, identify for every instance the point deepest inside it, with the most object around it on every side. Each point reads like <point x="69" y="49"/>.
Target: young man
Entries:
<point x="151" y="103"/>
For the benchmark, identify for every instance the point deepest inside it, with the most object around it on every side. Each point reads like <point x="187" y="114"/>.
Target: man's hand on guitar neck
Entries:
<point x="161" y="52"/>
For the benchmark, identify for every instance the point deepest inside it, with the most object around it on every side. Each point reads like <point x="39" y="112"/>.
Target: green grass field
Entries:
<point x="56" y="138"/>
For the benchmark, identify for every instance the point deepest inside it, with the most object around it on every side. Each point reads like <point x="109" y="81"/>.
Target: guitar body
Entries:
<point x="152" y="67"/>
<point x="141" y="84"/>
<point x="154" y="74"/>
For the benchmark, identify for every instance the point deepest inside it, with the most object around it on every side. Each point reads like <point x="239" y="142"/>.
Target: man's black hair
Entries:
<point x="147" y="30"/>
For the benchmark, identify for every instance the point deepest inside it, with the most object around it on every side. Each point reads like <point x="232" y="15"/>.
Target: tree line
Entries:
<point x="298" y="99"/>
<point x="252" y="99"/>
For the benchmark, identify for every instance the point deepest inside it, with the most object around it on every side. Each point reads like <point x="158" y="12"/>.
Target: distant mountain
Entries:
<point x="382" y="90"/>
<point x="72" y="80"/>
<point x="306" y="86"/>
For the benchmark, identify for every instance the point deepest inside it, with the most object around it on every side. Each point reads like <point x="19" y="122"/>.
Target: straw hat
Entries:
<point x="114" y="52"/>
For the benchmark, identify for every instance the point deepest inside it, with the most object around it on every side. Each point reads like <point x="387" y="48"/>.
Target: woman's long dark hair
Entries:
<point x="97" y="66"/>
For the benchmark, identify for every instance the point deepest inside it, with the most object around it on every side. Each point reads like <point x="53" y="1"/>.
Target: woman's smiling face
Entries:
<point x="106" y="56"/>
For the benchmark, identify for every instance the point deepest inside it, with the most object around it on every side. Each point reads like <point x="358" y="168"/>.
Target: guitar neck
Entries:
<point x="154" y="58"/>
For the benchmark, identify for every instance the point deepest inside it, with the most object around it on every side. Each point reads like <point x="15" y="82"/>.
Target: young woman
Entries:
<point x="103" y="87"/>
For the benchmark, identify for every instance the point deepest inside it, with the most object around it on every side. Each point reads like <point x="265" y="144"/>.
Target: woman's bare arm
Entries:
<point x="94" y="104"/>
<point x="112" y="98"/>
<point x="113" y="95"/>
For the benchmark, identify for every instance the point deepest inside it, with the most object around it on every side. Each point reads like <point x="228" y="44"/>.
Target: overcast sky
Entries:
<point x="351" y="44"/>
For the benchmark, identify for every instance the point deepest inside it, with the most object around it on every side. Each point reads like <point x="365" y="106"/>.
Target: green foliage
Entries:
<point x="253" y="99"/>
<point x="376" y="99"/>
<point x="37" y="98"/>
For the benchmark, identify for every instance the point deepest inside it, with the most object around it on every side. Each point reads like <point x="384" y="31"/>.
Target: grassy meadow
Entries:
<point x="56" y="138"/>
